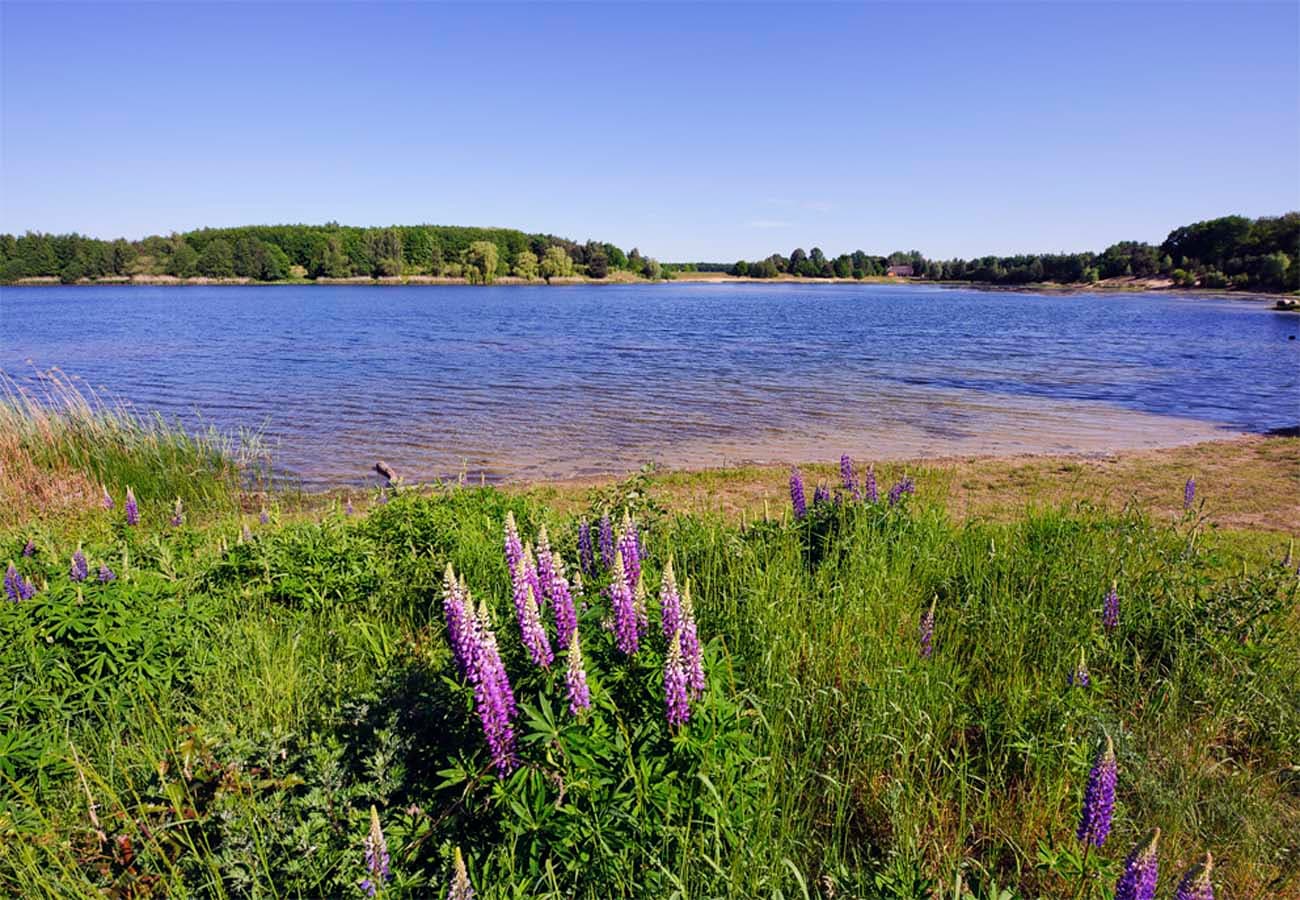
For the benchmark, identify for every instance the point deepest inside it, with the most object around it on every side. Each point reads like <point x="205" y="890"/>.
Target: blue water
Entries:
<point x="533" y="381"/>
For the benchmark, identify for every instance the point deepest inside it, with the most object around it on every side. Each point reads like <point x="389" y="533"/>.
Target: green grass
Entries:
<point x="232" y="708"/>
<point x="62" y="446"/>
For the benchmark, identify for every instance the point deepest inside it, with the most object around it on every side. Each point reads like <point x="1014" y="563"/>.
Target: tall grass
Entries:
<point x="232" y="708"/>
<point x="61" y="445"/>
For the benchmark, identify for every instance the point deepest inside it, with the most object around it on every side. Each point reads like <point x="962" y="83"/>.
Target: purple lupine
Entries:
<point x="575" y="679"/>
<point x="640" y="606"/>
<point x="79" y="569"/>
<point x="545" y="566"/>
<point x="871" y="494"/>
<point x="460" y="620"/>
<point x="12" y="584"/>
<point x="533" y="633"/>
<point x="1196" y="884"/>
<point x="513" y="546"/>
<point x="377" y="871"/>
<point x="245" y="534"/>
<point x="1141" y="870"/>
<point x="927" y="631"/>
<point x="906" y="486"/>
<point x="460" y="887"/>
<point x="670" y="602"/>
<point x="606" y="542"/>
<point x="678" y="707"/>
<point x="821" y="495"/>
<point x="264" y="517"/>
<point x="624" y="605"/>
<point x="493" y="698"/>
<point x="1189" y="493"/>
<point x="797" y="500"/>
<point x="847" y="477"/>
<point x="108" y="498"/>
<point x="1110" y="608"/>
<point x="692" y="656"/>
<point x="586" y="553"/>
<point x="562" y="607"/>
<point x="347" y="508"/>
<point x="629" y="547"/>
<point x="1099" y="798"/>
<point x="29" y="548"/>
<point x="1080" y="677"/>
<point x="132" y="508"/>
<point x="106" y="574"/>
<point x="178" y="514"/>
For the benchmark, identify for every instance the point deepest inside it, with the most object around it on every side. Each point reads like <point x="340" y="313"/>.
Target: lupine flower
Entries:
<point x="12" y="584"/>
<point x="545" y="570"/>
<point x="821" y="495"/>
<point x="796" y="494"/>
<point x="376" y="856"/>
<point x="872" y="495"/>
<point x="178" y="514"/>
<point x="1080" y="676"/>
<point x="460" y="887"/>
<point x="692" y="656"/>
<point x="1110" y="608"/>
<point x="29" y="548"/>
<point x="1141" y="870"/>
<point x="461" y="623"/>
<point x="847" y="477"/>
<point x="606" y="541"/>
<point x="562" y="608"/>
<point x="493" y="698"/>
<point x="383" y="497"/>
<point x="1099" y="798"/>
<point x="906" y="486"/>
<point x="108" y="498"/>
<point x="1189" y="493"/>
<point x="525" y="576"/>
<point x="640" y="608"/>
<point x="514" y="547"/>
<point x="670" y="602"/>
<point x="586" y="553"/>
<point x="245" y="534"/>
<point x="264" y="517"/>
<point x="629" y="547"/>
<point x="132" y="508"/>
<point x="624" y="605"/>
<point x="533" y="633"/>
<point x="1196" y="884"/>
<point x="347" y="508"/>
<point x="677" y="705"/>
<point x="927" y="630"/>
<point x="575" y="679"/>
<point x="79" y="567"/>
<point x="106" y="574"/>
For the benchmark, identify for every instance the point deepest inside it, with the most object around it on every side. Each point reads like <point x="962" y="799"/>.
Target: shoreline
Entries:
<point x="1250" y="476"/>
<point x="1111" y="286"/>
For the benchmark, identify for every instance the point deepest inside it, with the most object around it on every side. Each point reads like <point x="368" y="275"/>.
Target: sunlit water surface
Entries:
<point x="531" y="382"/>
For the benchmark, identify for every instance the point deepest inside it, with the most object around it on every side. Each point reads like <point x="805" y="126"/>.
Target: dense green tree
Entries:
<point x="526" y="265"/>
<point x="328" y="259"/>
<point x="597" y="260"/>
<point x="556" y="264"/>
<point x="479" y="262"/>
<point x="183" y="261"/>
<point x="217" y="259"/>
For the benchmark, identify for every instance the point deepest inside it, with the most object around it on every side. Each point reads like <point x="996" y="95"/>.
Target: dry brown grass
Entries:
<point x="1250" y="483"/>
<point x="28" y="490"/>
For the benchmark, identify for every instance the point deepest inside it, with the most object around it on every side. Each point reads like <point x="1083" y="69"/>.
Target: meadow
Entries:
<point x="255" y="694"/>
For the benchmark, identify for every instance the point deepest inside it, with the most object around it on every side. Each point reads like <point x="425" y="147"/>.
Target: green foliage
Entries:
<point x="556" y="264"/>
<point x="231" y="707"/>
<point x="479" y="262"/>
<point x="525" y="265"/>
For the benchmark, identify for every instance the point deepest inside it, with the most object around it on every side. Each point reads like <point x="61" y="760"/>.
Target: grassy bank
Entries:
<point x="219" y="718"/>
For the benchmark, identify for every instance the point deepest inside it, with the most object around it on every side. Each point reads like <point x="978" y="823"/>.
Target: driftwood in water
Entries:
<point x="384" y="469"/>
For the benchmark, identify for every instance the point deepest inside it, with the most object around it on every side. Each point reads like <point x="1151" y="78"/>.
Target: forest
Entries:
<point x="1228" y="252"/>
<point x="279" y="252"/>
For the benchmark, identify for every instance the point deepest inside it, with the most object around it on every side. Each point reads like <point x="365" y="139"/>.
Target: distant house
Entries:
<point x="899" y="271"/>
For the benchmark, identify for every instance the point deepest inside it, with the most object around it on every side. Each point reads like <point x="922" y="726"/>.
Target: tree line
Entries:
<point x="279" y="252"/>
<point x="1228" y="252"/>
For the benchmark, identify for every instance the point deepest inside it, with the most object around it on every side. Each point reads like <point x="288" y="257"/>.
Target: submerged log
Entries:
<point x="384" y="469"/>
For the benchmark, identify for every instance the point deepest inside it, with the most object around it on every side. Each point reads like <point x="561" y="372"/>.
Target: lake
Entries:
<point x="538" y="382"/>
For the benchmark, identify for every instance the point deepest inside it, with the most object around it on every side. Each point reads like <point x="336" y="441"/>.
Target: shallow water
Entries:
<point x="561" y="381"/>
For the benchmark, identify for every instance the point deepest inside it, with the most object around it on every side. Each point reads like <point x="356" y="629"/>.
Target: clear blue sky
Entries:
<point x="693" y="132"/>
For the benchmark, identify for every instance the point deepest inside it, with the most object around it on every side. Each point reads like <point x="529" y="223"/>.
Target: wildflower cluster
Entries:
<point x="18" y="587"/>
